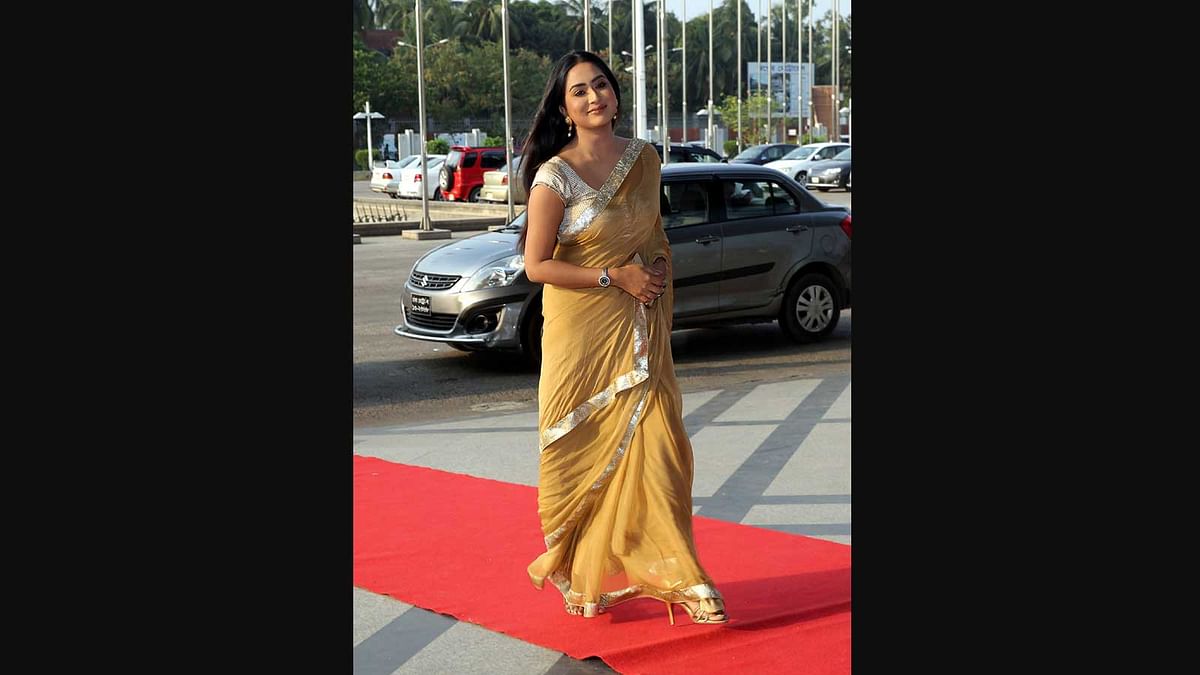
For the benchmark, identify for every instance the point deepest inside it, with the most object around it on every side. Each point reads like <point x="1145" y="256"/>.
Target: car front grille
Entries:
<point x="431" y="282"/>
<point x="442" y="322"/>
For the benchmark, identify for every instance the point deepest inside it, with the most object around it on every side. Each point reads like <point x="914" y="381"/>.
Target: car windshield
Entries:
<point x="453" y="157"/>
<point x="802" y="152"/>
<point x="516" y="224"/>
<point x="751" y="152"/>
<point x="516" y="165"/>
<point x="843" y="155"/>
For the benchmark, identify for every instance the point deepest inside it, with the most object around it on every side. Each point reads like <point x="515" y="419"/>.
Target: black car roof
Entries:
<point x="719" y="170"/>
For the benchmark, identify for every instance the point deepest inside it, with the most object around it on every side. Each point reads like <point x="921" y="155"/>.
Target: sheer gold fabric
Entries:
<point x="615" y="474"/>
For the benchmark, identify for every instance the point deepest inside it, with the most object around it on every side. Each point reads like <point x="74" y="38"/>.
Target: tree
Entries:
<point x="754" y="117"/>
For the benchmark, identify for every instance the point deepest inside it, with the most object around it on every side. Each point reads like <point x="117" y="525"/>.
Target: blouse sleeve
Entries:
<point x="548" y="175"/>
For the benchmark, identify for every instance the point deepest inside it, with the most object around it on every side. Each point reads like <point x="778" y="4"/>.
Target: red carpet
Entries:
<point x="459" y="545"/>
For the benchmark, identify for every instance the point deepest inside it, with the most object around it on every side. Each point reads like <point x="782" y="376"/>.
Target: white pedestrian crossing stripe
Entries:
<point x="769" y="402"/>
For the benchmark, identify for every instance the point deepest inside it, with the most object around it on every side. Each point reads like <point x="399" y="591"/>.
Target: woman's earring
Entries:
<point x="570" y="127"/>
<point x="616" y="112"/>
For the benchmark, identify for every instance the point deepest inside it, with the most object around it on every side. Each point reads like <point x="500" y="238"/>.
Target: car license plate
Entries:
<point x="420" y="304"/>
<point x="814" y="179"/>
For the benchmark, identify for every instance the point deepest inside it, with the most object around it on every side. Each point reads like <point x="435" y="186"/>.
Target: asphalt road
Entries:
<point x="398" y="380"/>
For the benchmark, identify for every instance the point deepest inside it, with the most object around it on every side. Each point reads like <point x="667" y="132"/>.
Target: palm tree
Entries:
<point x="483" y="19"/>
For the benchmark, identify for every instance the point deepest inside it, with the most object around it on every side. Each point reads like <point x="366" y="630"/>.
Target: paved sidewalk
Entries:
<point x="773" y="455"/>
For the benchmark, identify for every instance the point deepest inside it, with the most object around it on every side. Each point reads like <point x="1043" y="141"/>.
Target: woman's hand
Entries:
<point x="642" y="282"/>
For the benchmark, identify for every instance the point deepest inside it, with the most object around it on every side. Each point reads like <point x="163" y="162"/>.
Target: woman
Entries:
<point x="615" y="475"/>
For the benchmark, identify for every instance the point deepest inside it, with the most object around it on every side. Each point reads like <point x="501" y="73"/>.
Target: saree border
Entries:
<point x="632" y="153"/>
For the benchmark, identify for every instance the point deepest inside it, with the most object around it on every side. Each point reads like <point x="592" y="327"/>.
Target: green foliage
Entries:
<point x="754" y="117"/>
<point x="360" y="158"/>
<point x="730" y="148"/>
<point x="437" y="146"/>
<point x="493" y="141"/>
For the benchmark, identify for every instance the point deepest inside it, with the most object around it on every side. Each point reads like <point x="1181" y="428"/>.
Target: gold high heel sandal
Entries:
<point x="699" y="614"/>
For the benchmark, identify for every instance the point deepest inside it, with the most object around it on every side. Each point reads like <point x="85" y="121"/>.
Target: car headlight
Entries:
<point x="502" y="272"/>
<point x="831" y="172"/>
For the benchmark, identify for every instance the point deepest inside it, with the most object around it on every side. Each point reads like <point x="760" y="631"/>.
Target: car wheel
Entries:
<point x="846" y="182"/>
<point x="810" y="308"/>
<point x="474" y="195"/>
<point x="445" y="179"/>
<point x="531" y="334"/>
<point x="437" y="194"/>
<point x="802" y="178"/>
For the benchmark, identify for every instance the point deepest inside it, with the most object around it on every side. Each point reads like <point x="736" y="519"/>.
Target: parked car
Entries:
<point x="796" y="162"/>
<point x="385" y="177"/>
<point x="831" y="173"/>
<point x="495" y="184"/>
<point x="689" y="153"/>
<point x="761" y="154"/>
<point x="461" y="178"/>
<point x="411" y="178"/>
<point x="748" y="244"/>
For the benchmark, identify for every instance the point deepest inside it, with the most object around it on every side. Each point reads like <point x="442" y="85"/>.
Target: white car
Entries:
<point x="385" y="177"/>
<point x="796" y="162"/>
<point x="411" y="178"/>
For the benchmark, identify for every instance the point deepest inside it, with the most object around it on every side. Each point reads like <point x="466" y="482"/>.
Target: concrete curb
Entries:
<point x="459" y="225"/>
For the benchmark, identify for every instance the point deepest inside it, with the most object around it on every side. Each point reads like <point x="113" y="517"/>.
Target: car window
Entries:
<point x="756" y="199"/>
<point x="843" y="155"/>
<point x="468" y="160"/>
<point x="776" y="152"/>
<point x="802" y="152"/>
<point x="703" y="157"/>
<point x="751" y="152"/>
<point x="684" y="203"/>
<point x="681" y="156"/>
<point x="492" y="160"/>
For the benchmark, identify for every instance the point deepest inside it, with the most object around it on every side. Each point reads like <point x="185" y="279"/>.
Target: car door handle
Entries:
<point x="797" y="228"/>
<point x="707" y="240"/>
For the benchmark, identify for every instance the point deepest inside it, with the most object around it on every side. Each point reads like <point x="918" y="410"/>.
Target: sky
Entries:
<point x="700" y="7"/>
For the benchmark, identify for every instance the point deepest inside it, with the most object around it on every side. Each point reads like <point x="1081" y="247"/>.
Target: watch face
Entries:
<point x="604" y="281"/>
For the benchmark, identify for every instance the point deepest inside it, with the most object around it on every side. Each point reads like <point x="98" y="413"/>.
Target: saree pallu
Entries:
<point x="615" y="471"/>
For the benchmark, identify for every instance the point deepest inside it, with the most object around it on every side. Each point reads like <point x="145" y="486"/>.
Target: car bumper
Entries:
<point x="489" y="318"/>
<point x="494" y="194"/>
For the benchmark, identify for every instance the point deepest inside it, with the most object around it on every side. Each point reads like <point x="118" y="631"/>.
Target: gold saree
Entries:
<point x="615" y="474"/>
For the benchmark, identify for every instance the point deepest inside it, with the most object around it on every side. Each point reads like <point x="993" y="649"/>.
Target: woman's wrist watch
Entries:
<point x="605" y="281"/>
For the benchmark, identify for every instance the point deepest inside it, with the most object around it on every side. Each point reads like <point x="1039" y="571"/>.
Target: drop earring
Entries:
<point x="570" y="127"/>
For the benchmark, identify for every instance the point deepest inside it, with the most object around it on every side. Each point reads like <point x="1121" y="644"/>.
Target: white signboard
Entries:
<point x="789" y="82"/>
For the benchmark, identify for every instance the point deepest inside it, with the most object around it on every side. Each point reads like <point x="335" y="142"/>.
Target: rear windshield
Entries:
<point x="751" y="152"/>
<point x="453" y="157"/>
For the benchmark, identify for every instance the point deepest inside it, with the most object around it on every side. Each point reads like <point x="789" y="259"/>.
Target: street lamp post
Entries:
<point x="508" y="149"/>
<point x="684" y="50"/>
<point x="710" y="74"/>
<point x="739" y="71"/>
<point x="426" y="225"/>
<point x="639" y="93"/>
<point x="368" y="116"/>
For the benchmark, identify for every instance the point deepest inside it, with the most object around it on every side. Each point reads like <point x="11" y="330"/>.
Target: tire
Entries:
<point x="802" y="178"/>
<point x="437" y="194"/>
<point x="846" y="182"/>
<point x="446" y="179"/>
<point x="474" y="194"/>
<point x="801" y="319"/>
<point x="531" y="335"/>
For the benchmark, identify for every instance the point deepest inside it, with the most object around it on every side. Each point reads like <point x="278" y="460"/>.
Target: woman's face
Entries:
<point x="590" y="102"/>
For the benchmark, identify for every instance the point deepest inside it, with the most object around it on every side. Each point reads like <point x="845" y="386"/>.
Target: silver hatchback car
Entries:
<point x="748" y="245"/>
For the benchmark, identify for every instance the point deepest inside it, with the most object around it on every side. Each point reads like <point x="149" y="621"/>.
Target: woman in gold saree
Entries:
<point x="615" y="471"/>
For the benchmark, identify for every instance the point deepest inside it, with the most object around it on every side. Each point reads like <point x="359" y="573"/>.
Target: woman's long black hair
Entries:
<point x="548" y="134"/>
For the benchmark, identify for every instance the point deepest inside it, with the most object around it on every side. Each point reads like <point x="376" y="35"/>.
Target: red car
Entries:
<point x="461" y="177"/>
